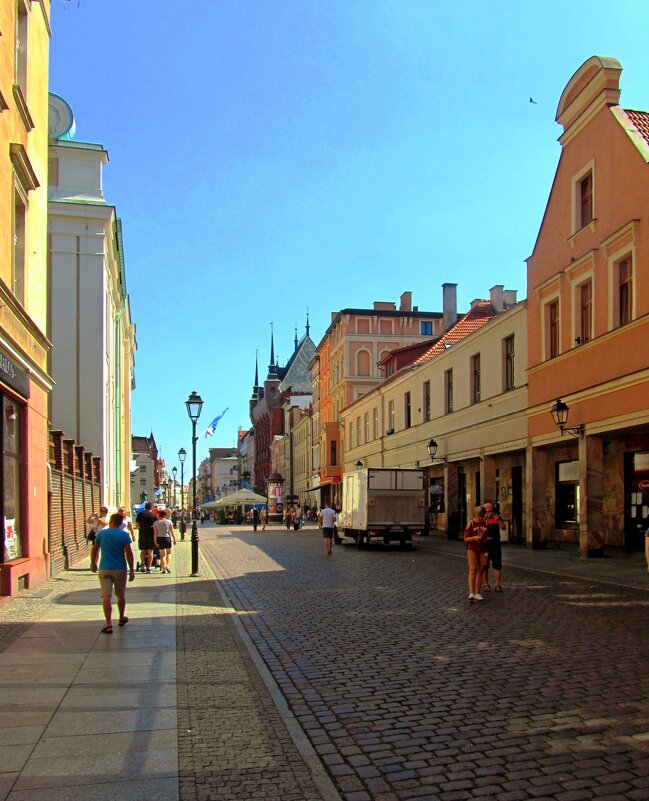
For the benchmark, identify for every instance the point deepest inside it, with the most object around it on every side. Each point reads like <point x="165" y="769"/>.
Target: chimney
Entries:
<point x="449" y="305"/>
<point x="406" y="302"/>
<point x="496" y="297"/>
<point x="510" y="297"/>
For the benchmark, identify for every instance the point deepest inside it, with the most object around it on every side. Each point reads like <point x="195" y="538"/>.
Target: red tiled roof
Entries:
<point x="641" y="121"/>
<point x="480" y="313"/>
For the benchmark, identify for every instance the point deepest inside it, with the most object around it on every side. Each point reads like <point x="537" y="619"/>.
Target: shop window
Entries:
<point x="567" y="495"/>
<point x="11" y="480"/>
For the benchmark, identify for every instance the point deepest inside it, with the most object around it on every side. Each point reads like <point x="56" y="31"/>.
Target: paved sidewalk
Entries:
<point x="170" y="707"/>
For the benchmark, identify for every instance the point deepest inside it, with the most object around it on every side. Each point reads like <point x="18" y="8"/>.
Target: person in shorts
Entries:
<point x="494" y="551"/>
<point x="163" y="534"/>
<point x="96" y="522"/>
<point x="327" y="523"/>
<point x="144" y="522"/>
<point x="112" y="546"/>
<point x="127" y="524"/>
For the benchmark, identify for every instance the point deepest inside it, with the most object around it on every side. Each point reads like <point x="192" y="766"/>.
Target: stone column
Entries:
<point x="535" y="498"/>
<point x="452" y="503"/>
<point x="488" y="479"/>
<point x="591" y="470"/>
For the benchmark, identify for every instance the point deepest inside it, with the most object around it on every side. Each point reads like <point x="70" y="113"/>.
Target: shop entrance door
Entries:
<point x="636" y="499"/>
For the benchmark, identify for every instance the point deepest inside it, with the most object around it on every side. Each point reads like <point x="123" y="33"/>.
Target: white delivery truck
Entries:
<point x="383" y="504"/>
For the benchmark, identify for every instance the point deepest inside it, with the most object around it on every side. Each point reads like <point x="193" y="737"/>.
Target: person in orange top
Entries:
<point x="476" y="537"/>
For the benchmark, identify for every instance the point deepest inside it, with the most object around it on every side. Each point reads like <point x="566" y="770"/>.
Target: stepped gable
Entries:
<point x="481" y="312"/>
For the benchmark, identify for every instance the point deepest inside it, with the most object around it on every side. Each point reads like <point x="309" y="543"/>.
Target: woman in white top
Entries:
<point x="163" y="534"/>
<point x="127" y="523"/>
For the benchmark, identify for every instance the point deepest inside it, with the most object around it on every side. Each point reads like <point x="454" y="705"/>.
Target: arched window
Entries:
<point x="363" y="362"/>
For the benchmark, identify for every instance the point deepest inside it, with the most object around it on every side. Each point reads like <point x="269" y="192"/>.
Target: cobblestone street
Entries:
<point x="407" y="692"/>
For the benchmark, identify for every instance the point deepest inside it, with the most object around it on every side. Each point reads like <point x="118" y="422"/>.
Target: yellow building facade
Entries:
<point x="24" y="344"/>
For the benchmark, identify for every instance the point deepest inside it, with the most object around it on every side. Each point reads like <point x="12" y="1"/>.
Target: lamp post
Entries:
<point x="174" y="473"/>
<point x="182" y="455"/>
<point x="194" y="404"/>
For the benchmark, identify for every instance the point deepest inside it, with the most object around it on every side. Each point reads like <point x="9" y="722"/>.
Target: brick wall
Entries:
<point x="75" y="492"/>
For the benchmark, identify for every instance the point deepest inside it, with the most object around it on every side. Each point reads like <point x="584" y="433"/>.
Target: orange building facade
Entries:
<point x="346" y="367"/>
<point x="588" y="326"/>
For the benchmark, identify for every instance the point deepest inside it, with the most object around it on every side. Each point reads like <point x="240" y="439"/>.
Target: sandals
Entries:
<point x="123" y="621"/>
<point x="486" y="588"/>
<point x="498" y="588"/>
<point x="107" y="630"/>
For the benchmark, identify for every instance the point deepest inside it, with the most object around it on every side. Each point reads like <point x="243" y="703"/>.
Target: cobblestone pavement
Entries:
<point x="233" y="743"/>
<point x="407" y="692"/>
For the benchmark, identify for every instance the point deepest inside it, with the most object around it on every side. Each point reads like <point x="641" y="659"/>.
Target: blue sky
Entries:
<point x="269" y="157"/>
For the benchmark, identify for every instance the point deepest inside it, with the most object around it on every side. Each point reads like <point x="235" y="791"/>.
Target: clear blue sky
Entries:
<point x="266" y="157"/>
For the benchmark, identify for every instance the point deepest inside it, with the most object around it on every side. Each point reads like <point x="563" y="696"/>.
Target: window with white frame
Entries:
<point x="375" y="422"/>
<point x="552" y="330"/>
<point x="426" y="401"/>
<point x="583" y="198"/>
<point x="366" y="426"/>
<point x="407" y="410"/>
<point x="585" y="312"/>
<point x="623" y="289"/>
<point x="475" y="378"/>
<point x="391" y="416"/>
<point x="509" y="363"/>
<point x="448" y="391"/>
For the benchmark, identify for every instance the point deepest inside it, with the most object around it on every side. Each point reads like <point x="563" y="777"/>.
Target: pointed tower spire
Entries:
<point x="272" y="367"/>
<point x="307" y="321"/>
<point x="255" y="389"/>
<point x="295" y="340"/>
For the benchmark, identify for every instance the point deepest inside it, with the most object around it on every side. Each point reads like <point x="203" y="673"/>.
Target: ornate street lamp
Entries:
<point x="182" y="455"/>
<point x="194" y="404"/>
<point x="559" y="412"/>
<point x="432" y="451"/>
<point x="174" y="473"/>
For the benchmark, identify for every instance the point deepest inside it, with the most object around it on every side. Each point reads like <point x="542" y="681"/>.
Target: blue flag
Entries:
<point x="209" y="431"/>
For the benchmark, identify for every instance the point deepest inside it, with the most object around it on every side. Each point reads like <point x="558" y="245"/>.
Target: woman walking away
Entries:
<point x="476" y="537"/>
<point x="163" y="533"/>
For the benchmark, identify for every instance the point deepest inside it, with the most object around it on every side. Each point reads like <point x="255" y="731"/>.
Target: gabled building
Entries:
<point x="146" y="477"/>
<point x="588" y="325"/>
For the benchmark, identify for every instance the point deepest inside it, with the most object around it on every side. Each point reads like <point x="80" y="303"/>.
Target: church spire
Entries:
<point x="272" y="367"/>
<point x="255" y="389"/>
<point x="295" y="340"/>
<point x="307" y="321"/>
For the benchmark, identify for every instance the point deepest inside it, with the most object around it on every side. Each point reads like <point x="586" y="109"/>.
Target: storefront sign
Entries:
<point x="13" y="376"/>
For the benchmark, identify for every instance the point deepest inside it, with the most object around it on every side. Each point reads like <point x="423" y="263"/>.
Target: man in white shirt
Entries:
<point x="327" y="523"/>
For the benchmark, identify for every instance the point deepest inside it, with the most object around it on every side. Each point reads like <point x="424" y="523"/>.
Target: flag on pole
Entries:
<point x="209" y="431"/>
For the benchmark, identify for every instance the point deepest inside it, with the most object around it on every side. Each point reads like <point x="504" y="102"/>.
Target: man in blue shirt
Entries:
<point x="114" y="544"/>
